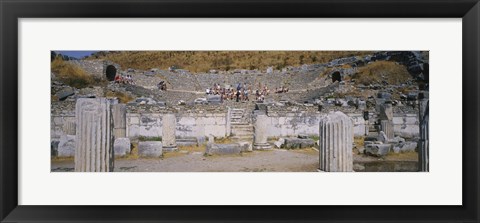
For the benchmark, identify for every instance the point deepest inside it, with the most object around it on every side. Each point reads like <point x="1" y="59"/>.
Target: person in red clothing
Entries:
<point x="118" y="79"/>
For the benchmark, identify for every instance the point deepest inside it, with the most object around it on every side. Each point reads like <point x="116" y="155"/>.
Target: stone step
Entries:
<point x="241" y="133"/>
<point x="242" y="126"/>
<point x="242" y="138"/>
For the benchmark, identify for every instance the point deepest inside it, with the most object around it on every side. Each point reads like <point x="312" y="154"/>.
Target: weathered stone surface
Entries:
<point x="298" y="143"/>
<point x="405" y="147"/>
<point x="66" y="146"/>
<point x="150" y="149"/>
<point x="121" y="147"/>
<point x="336" y="139"/>
<point x="214" y="99"/>
<point x="279" y="143"/>
<point x="168" y="132"/>
<point x="119" y="112"/>
<point x="69" y="127"/>
<point x="187" y="141"/>
<point x="386" y="112"/>
<point x="246" y="146"/>
<point x="387" y="127"/>
<point x="382" y="137"/>
<point x="94" y="146"/>
<point x="377" y="149"/>
<point x="65" y="93"/>
<point x="223" y="149"/>
<point x="260" y="132"/>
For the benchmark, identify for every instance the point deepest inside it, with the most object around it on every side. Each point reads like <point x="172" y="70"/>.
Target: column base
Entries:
<point x="262" y="146"/>
<point x="169" y="148"/>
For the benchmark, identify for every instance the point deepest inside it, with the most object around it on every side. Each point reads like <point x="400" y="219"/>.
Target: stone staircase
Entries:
<point x="241" y="127"/>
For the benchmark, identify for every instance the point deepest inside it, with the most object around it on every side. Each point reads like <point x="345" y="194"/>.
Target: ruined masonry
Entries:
<point x="119" y="112"/>
<point x="93" y="148"/>
<point x="386" y="119"/>
<point x="336" y="139"/>
<point x="260" y="132"/>
<point x="168" y="132"/>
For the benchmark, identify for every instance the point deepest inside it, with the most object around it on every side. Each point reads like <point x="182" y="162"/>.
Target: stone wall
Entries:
<point x="202" y="123"/>
<point x="406" y="125"/>
<point x="56" y="125"/>
<point x="188" y="124"/>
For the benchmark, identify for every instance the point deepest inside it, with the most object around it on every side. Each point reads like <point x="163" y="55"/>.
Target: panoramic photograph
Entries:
<point x="239" y="111"/>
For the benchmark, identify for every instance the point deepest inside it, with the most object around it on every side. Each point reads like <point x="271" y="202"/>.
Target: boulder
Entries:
<point x="279" y="143"/>
<point x="121" y="146"/>
<point x="296" y="143"/>
<point x="66" y="146"/>
<point x="200" y="101"/>
<point x="378" y="150"/>
<point x="150" y="149"/>
<point x="65" y="93"/>
<point x="405" y="147"/>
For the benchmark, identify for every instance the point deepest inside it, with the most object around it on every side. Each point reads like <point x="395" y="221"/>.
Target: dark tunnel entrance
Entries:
<point x="111" y="72"/>
<point x="336" y="76"/>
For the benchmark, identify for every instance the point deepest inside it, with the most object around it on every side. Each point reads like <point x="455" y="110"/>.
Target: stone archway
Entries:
<point x="111" y="72"/>
<point x="336" y="76"/>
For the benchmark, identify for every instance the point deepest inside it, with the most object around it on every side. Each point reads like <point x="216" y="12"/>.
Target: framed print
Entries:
<point x="205" y="111"/>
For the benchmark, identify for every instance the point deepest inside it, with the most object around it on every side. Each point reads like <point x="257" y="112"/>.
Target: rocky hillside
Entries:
<point x="203" y="61"/>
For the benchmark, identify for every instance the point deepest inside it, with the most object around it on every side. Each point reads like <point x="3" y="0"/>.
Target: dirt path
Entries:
<point x="182" y="161"/>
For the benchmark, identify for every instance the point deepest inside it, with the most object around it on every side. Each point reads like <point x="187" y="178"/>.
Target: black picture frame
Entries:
<point x="11" y="11"/>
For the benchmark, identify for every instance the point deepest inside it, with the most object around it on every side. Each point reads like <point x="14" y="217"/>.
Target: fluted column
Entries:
<point x="260" y="132"/>
<point x="423" y="152"/>
<point x="336" y="139"/>
<point x="387" y="127"/>
<point x="93" y="148"/>
<point x="169" y="125"/>
<point x="119" y="112"/>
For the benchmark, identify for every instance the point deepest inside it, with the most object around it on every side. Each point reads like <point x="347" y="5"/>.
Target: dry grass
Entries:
<point x="378" y="71"/>
<point x="224" y="140"/>
<point x="306" y="151"/>
<point x="202" y="61"/>
<point x="191" y="149"/>
<point x="406" y="156"/>
<point x="71" y="74"/>
<point x="122" y="97"/>
<point x="358" y="141"/>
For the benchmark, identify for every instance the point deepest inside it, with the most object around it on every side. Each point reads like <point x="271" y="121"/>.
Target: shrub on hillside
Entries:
<point x="379" y="71"/>
<point x="71" y="74"/>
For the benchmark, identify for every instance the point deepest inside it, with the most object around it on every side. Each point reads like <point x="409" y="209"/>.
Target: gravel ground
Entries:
<point x="305" y="160"/>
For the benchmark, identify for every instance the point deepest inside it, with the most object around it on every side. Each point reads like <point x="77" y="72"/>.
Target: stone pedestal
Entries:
<point x="336" y="139"/>
<point x="260" y="133"/>
<point x="119" y="113"/>
<point x="169" y="124"/>
<point x="94" y="145"/>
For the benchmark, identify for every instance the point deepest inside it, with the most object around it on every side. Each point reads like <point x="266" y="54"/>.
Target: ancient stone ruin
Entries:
<point x="311" y="106"/>
<point x="336" y="139"/>
<point x="94" y="139"/>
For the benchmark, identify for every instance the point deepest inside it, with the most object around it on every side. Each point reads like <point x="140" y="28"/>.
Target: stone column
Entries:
<point x="69" y="127"/>
<point x="387" y="127"/>
<point x="169" y="125"/>
<point x="336" y="139"/>
<point x="94" y="145"/>
<point x="423" y="151"/>
<point x="260" y="132"/>
<point x="119" y="113"/>
<point x="386" y="119"/>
